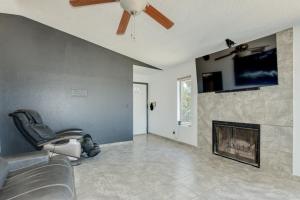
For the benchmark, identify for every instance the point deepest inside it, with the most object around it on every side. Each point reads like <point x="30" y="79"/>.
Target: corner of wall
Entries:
<point x="296" y="101"/>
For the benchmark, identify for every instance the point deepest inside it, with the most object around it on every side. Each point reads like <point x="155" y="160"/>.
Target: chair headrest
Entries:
<point x="30" y="125"/>
<point x="32" y="115"/>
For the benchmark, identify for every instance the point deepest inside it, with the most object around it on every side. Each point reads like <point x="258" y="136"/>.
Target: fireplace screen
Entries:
<point x="237" y="141"/>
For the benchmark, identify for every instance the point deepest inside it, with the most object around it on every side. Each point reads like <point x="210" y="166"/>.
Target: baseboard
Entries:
<point x="116" y="144"/>
<point x="154" y="134"/>
<point x="173" y="140"/>
<point x="139" y="134"/>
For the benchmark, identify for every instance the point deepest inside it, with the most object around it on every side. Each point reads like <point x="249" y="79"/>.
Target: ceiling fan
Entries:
<point x="131" y="8"/>
<point x="244" y="50"/>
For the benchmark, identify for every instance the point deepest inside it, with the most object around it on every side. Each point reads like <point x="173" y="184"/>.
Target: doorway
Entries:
<point x="140" y="108"/>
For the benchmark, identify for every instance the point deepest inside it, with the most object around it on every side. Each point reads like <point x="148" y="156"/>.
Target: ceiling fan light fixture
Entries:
<point x="131" y="9"/>
<point x="134" y="7"/>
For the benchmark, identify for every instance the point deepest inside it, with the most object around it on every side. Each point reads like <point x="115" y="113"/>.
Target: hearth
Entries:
<point x="237" y="141"/>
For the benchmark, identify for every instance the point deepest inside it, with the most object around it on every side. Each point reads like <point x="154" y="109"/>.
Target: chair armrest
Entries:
<point x="61" y="137"/>
<point x="25" y="160"/>
<point x="72" y="130"/>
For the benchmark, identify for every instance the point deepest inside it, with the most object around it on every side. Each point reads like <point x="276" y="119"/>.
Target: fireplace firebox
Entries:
<point x="237" y="141"/>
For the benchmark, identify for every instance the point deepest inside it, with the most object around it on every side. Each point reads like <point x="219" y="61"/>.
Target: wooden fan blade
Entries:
<point x="123" y="23"/>
<point x="159" y="17"/>
<point x="89" y="2"/>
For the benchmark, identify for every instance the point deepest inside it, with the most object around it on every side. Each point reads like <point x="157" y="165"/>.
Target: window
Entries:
<point x="184" y="101"/>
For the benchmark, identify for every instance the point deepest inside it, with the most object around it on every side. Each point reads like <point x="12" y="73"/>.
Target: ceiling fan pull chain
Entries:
<point x="133" y="29"/>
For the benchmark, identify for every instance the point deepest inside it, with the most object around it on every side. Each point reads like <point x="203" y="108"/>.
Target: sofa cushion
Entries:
<point x="56" y="160"/>
<point x="3" y="171"/>
<point x="25" y="160"/>
<point x="49" y="193"/>
<point x="63" y="160"/>
<point x="42" y="182"/>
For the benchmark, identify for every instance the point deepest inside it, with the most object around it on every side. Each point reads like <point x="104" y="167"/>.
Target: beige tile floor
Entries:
<point x="157" y="169"/>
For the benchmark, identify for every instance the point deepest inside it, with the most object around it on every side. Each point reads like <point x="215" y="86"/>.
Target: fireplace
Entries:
<point x="237" y="141"/>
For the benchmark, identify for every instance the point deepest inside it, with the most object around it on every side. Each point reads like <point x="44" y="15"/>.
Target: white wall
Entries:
<point x="163" y="90"/>
<point x="143" y="74"/>
<point x="140" y="78"/>
<point x="296" y="101"/>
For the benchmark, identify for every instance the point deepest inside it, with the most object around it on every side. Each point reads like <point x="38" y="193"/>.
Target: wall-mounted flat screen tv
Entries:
<point x="249" y="65"/>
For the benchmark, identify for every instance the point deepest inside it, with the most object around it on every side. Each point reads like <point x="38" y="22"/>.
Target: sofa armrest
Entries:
<point x="25" y="160"/>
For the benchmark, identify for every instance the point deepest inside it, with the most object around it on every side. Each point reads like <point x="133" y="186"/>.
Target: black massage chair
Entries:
<point x="71" y="142"/>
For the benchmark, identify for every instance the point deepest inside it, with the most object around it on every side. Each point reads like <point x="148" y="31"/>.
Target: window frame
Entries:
<point x="179" y="83"/>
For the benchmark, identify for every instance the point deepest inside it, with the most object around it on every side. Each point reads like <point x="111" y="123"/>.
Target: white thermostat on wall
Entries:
<point x="79" y="92"/>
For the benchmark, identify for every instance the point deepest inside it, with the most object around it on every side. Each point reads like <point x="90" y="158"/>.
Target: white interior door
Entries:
<point x="139" y="109"/>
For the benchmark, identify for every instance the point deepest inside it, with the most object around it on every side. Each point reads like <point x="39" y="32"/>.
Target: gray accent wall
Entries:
<point x="40" y="66"/>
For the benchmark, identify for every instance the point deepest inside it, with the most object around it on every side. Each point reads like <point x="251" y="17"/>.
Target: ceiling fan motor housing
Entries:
<point x="134" y="7"/>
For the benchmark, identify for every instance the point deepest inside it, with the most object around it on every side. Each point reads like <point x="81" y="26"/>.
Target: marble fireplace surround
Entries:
<point x="271" y="107"/>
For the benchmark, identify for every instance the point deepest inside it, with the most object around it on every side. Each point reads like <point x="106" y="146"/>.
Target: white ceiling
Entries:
<point x="200" y="25"/>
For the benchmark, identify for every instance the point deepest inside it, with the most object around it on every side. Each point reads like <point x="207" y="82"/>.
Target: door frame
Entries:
<point x="147" y="106"/>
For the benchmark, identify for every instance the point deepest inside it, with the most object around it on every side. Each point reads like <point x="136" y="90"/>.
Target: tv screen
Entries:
<point x="257" y="69"/>
<point x="249" y="65"/>
<point x="212" y="81"/>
